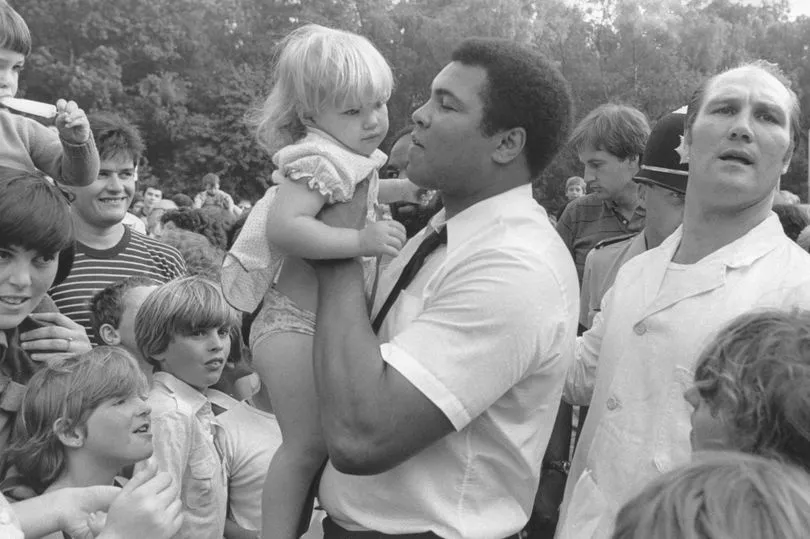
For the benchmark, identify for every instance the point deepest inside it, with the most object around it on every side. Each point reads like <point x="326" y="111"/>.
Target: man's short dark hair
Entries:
<point x="696" y="101"/>
<point x="107" y="305"/>
<point x="116" y="137"/>
<point x="619" y="130"/>
<point x="523" y="89"/>
<point x="14" y="33"/>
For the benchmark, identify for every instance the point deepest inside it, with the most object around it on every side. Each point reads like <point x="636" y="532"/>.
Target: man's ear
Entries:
<point x="109" y="335"/>
<point x="788" y="157"/>
<point x="642" y="194"/>
<point x="72" y="437"/>
<point x="634" y="163"/>
<point x="510" y="144"/>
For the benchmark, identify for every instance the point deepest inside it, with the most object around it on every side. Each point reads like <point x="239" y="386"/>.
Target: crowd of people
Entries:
<point x="408" y="345"/>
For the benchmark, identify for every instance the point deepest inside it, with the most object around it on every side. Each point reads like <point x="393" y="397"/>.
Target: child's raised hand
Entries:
<point x="72" y="123"/>
<point x="382" y="238"/>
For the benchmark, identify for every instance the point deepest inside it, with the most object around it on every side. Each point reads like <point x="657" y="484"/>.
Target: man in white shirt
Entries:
<point x="729" y="256"/>
<point x="436" y="426"/>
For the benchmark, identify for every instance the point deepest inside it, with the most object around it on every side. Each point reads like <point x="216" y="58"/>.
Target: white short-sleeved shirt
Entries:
<point x="486" y="332"/>
<point x="9" y="525"/>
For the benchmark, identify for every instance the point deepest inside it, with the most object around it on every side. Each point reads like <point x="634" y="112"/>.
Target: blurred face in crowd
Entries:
<point x="398" y="160"/>
<point x="664" y="208"/>
<point x="151" y="197"/>
<point x="11" y="63"/>
<point x="211" y="186"/>
<point x="574" y="191"/>
<point x="104" y="203"/>
<point x="606" y="175"/>
<point x="740" y="142"/>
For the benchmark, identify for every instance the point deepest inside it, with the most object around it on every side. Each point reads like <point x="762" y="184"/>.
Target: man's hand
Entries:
<point x="72" y="123"/>
<point x="350" y="214"/>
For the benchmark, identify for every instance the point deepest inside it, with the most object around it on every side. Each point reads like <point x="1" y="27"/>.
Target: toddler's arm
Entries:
<point x="293" y="227"/>
<point x="68" y="155"/>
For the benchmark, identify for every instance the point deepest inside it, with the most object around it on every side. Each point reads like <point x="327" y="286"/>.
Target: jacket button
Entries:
<point x="640" y="328"/>
<point x="612" y="403"/>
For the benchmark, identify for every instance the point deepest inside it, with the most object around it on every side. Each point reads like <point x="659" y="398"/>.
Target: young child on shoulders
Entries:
<point x="721" y="496"/>
<point x="323" y="121"/>
<point x="82" y="420"/>
<point x="112" y="315"/>
<point x="184" y="330"/>
<point x="68" y="155"/>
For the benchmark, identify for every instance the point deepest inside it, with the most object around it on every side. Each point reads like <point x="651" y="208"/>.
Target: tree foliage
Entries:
<point x="187" y="71"/>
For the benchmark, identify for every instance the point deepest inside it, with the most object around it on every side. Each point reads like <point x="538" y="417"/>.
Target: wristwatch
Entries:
<point x="561" y="466"/>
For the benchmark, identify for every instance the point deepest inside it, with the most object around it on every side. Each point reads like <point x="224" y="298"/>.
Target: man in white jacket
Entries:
<point x="729" y="256"/>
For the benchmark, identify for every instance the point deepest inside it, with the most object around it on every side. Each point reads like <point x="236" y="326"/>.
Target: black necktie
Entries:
<point x="428" y="245"/>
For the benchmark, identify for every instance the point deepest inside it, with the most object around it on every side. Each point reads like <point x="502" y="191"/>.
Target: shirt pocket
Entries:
<point x="200" y="492"/>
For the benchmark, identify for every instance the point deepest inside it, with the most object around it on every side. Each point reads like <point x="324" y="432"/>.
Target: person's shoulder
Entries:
<point x="584" y="205"/>
<point x="585" y="202"/>
<point x="155" y="246"/>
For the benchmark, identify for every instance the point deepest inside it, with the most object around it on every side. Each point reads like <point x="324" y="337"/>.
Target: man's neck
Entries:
<point x="652" y="238"/>
<point x="97" y="237"/>
<point x="456" y="204"/>
<point x="706" y="231"/>
<point x="626" y="202"/>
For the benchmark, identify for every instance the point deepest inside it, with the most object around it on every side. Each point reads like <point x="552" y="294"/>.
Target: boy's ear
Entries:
<point x="109" y="335"/>
<point x="72" y="437"/>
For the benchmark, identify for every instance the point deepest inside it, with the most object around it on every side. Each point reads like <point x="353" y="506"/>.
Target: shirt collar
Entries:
<point x="743" y="251"/>
<point x="186" y="393"/>
<point x="515" y="202"/>
<point x="612" y="207"/>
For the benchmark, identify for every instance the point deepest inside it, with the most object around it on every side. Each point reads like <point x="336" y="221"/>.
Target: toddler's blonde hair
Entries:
<point x="318" y="67"/>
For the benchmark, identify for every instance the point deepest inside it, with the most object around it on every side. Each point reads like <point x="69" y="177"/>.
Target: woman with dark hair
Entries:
<point x="36" y="251"/>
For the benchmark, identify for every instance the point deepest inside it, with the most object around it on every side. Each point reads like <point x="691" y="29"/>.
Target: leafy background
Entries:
<point x="187" y="71"/>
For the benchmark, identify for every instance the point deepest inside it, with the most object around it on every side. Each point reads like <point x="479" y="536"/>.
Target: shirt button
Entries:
<point x="640" y="328"/>
<point x="612" y="403"/>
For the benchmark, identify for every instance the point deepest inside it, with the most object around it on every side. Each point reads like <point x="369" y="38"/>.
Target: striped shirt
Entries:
<point x="94" y="270"/>
<point x="588" y="220"/>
